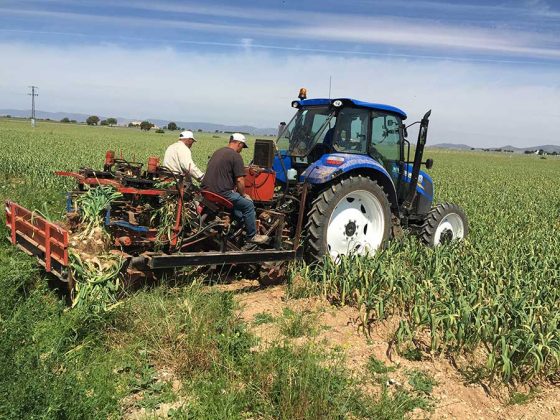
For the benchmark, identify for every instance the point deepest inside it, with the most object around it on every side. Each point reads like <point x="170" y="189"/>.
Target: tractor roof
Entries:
<point x="361" y="104"/>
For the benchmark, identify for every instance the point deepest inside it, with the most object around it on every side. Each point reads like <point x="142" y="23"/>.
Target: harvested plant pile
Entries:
<point x="97" y="281"/>
<point x="93" y="204"/>
<point x="164" y="219"/>
<point x="94" y="270"/>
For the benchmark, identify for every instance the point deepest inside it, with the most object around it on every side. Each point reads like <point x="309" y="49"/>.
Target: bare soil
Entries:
<point x="338" y="327"/>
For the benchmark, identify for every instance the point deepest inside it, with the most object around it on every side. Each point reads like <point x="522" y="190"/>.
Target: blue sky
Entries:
<point x="489" y="70"/>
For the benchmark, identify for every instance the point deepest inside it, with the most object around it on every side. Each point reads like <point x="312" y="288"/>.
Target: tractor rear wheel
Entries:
<point x="352" y="216"/>
<point x="444" y="223"/>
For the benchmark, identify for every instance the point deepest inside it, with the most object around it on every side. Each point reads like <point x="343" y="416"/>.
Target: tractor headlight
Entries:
<point x="295" y="104"/>
<point x="337" y="103"/>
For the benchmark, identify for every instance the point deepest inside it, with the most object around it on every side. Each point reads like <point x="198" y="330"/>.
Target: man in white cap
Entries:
<point x="178" y="157"/>
<point x="225" y="175"/>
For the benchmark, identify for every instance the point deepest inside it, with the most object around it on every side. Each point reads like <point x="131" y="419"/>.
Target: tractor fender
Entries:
<point x="334" y="165"/>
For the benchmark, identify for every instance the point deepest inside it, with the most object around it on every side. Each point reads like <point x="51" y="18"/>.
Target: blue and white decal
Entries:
<point x="423" y="180"/>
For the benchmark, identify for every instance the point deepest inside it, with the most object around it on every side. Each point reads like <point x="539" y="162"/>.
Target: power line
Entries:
<point x="33" y="94"/>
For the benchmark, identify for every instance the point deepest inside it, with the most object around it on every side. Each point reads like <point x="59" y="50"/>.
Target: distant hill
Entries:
<point x="548" y="148"/>
<point x="56" y="116"/>
<point x="514" y="149"/>
<point x="204" y="126"/>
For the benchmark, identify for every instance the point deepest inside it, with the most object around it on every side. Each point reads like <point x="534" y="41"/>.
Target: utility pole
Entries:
<point x="33" y="94"/>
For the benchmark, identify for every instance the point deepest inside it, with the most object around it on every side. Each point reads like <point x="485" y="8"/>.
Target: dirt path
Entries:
<point x="338" y="328"/>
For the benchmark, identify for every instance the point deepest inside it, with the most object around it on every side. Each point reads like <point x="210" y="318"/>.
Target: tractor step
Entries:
<point x="38" y="237"/>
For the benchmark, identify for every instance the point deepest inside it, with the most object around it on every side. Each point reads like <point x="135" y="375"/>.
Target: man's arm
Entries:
<point x="240" y="183"/>
<point x="187" y="164"/>
<point x="195" y="172"/>
<point x="239" y="174"/>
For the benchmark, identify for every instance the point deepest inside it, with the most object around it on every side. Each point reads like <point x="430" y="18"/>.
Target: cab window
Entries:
<point x="304" y="129"/>
<point x="351" y="130"/>
<point x="385" y="138"/>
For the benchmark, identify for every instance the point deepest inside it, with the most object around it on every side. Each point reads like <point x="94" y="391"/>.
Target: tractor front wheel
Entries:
<point x="352" y="216"/>
<point x="444" y="223"/>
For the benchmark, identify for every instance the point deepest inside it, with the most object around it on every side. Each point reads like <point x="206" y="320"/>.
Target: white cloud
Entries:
<point x="438" y="36"/>
<point x="323" y="26"/>
<point x="473" y="103"/>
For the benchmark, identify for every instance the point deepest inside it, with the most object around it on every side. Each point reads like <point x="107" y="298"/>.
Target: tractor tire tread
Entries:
<point x="433" y="218"/>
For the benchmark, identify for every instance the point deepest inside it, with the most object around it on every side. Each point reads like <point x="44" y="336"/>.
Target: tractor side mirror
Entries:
<point x="429" y="163"/>
<point x="281" y="128"/>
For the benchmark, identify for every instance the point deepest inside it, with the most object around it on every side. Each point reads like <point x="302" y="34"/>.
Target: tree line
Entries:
<point x="144" y="125"/>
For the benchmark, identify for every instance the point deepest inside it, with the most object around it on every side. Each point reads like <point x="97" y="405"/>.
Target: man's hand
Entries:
<point x="255" y="170"/>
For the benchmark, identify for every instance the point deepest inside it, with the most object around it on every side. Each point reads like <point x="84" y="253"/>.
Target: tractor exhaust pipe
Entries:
<point x="422" y="136"/>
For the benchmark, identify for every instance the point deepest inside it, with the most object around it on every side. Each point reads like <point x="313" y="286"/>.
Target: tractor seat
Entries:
<point x="217" y="199"/>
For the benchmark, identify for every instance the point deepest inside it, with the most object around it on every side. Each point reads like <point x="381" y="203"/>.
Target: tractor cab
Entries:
<point x="324" y="126"/>
<point x="329" y="137"/>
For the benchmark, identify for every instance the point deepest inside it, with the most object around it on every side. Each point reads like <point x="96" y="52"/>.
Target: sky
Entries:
<point x="489" y="70"/>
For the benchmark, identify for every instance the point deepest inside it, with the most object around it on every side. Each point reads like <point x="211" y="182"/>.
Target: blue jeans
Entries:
<point x="243" y="209"/>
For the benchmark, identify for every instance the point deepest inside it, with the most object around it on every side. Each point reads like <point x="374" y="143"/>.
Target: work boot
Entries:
<point x="258" y="239"/>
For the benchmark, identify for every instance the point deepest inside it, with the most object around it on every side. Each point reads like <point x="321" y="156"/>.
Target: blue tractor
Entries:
<point x="353" y="158"/>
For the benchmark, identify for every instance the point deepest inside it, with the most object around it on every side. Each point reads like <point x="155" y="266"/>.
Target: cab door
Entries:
<point x="386" y="145"/>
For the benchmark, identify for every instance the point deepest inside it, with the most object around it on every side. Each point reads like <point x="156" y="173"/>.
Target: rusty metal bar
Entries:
<point x="218" y="258"/>
<point x="48" y="247"/>
<point x="178" y="216"/>
<point x="299" y="226"/>
<point x="65" y="248"/>
<point x="13" y="221"/>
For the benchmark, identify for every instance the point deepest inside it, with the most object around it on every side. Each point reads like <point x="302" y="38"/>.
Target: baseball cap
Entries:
<point x="239" y="137"/>
<point x="187" y="135"/>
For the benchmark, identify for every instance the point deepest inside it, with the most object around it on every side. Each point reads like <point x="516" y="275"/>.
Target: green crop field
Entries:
<point x="497" y="295"/>
<point x="491" y="303"/>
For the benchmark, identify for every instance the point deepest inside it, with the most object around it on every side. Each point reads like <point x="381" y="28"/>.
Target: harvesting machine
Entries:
<point x="338" y="180"/>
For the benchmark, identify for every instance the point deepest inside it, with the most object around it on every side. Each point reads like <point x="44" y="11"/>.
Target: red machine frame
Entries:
<point x="37" y="236"/>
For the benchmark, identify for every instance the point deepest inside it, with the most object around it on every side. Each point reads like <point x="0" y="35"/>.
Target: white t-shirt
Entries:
<point x="178" y="159"/>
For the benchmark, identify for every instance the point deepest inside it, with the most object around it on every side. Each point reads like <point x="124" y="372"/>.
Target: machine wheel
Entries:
<point x="352" y="216"/>
<point x="444" y="223"/>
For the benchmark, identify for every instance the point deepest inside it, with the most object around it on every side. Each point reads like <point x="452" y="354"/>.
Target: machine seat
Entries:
<point x="217" y="199"/>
